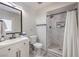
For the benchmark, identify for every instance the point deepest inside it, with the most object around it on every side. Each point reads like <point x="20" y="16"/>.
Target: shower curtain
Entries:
<point x="0" y="29"/>
<point x="70" y="35"/>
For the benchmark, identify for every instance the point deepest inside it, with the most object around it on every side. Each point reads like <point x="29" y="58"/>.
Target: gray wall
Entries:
<point x="29" y="25"/>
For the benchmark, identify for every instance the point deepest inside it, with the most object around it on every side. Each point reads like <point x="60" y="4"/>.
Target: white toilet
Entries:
<point x="37" y="46"/>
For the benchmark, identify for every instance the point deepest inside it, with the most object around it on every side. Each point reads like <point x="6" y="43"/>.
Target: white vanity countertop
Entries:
<point x="12" y="41"/>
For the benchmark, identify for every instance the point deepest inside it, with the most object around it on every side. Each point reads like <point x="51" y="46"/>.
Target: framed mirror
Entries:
<point x="12" y="18"/>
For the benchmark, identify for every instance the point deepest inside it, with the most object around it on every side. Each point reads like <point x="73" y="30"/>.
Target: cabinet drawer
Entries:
<point x="4" y="52"/>
<point x="22" y="44"/>
<point x="26" y="49"/>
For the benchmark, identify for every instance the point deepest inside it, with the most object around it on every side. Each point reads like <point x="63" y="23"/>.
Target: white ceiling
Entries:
<point x="34" y="5"/>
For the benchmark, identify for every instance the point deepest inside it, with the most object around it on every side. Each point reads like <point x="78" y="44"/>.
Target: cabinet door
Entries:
<point x="4" y="52"/>
<point x="13" y="51"/>
<point x="24" y="49"/>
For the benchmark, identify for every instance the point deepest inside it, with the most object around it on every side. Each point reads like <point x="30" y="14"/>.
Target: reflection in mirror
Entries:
<point x="8" y="25"/>
<point x="11" y="18"/>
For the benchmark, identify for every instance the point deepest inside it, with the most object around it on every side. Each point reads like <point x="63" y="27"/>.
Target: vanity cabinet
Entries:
<point x="19" y="49"/>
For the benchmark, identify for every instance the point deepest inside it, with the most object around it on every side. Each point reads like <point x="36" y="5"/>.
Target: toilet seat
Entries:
<point x="37" y="45"/>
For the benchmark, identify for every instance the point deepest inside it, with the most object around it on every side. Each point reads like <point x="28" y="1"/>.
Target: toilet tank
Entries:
<point x="33" y="39"/>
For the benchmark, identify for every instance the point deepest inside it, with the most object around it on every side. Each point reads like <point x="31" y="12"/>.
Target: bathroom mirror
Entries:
<point x="12" y="18"/>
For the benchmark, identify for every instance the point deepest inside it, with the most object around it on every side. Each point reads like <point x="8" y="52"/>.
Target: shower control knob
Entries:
<point x="50" y="27"/>
<point x="24" y="43"/>
<point x="9" y="49"/>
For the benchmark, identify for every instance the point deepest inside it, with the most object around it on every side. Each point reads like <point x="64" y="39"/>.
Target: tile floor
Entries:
<point x="43" y="54"/>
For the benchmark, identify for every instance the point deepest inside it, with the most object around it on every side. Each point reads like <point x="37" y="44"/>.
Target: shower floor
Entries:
<point x="56" y="50"/>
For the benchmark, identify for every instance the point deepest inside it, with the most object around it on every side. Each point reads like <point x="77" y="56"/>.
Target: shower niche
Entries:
<point x="56" y="20"/>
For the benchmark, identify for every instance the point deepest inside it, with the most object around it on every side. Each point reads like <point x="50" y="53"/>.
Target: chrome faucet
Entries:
<point x="13" y="36"/>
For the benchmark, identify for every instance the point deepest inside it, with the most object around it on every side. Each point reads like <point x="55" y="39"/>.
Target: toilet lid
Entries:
<point x="38" y="45"/>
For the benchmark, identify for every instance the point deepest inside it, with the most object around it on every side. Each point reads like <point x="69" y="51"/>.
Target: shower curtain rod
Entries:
<point x="62" y="12"/>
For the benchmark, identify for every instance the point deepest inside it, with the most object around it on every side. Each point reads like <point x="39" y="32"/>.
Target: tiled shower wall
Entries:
<point x="55" y="30"/>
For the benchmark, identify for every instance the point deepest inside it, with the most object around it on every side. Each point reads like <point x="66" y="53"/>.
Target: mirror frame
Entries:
<point x="20" y="15"/>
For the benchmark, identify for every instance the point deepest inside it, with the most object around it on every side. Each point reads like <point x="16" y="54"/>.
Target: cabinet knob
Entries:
<point x="24" y="43"/>
<point x="9" y="49"/>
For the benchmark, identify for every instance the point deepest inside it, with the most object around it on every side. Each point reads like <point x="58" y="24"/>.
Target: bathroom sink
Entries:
<point x="13" y="41"/>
